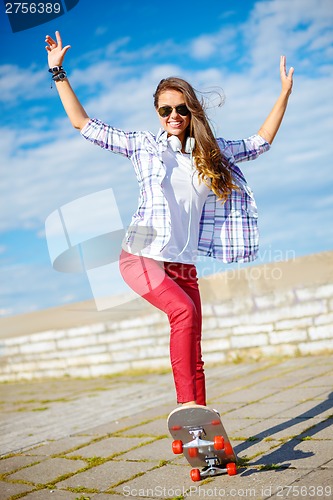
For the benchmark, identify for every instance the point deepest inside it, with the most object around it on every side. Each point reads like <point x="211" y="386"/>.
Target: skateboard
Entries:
<point x="199" y="434"/>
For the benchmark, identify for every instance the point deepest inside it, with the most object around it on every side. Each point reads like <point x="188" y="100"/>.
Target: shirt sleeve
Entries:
<point x="244" y="149"/>
<point x="110" y="138"/>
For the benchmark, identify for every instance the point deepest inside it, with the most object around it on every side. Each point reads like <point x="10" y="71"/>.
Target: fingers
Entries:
<point x="283" y="68"/>
<point x="52" y="42"/>
<point x="291" y="72"/>
<point x="286" y="78"/>
<point x="58" y="37"/>
<point x="283" y="65"/>
<point x="64" y="50"/>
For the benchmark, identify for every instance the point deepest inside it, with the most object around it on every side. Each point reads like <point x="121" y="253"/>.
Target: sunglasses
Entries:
<point x="165" y="111"/>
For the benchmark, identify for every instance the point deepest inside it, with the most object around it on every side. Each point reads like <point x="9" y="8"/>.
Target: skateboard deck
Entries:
<point x="199" y="434"/>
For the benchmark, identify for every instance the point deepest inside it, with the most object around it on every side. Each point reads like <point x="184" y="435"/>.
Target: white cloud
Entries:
<point x="203" y="47"/>
<point x="283" y="27"/>
<point x="101" y="30"/>
<point x="221" y="45"/>
<point x="21" y="84"/>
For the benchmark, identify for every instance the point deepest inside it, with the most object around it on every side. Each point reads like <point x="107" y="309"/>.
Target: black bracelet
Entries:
<point x="58" y="77"/>
<point x="56" y="69"/>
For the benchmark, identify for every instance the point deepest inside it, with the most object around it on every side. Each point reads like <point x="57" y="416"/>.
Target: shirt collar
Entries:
<point x="162" y="136"/>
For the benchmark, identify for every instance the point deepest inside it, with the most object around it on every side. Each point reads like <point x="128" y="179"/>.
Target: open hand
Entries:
<point x="286" y="78"/>
<point x="56" y="52"/>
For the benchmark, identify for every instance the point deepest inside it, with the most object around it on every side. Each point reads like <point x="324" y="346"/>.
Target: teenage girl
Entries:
<point x="193" y="200"/>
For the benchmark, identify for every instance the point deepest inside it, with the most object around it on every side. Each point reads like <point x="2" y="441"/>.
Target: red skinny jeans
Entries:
<point x="173" y="288"/>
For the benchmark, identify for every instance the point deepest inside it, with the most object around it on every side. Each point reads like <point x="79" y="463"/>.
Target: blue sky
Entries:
<point x="120" y="50"/>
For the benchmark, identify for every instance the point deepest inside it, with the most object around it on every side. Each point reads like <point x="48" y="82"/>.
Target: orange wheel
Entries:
<point x="195" y="475"/>
<point x="177" y="447"/>
<point x="216" y="422"/>
<point x="231" y="469"/>
<point x="228" y="449"/>
<point x="218" y="442"/>
<point x="193" y="452"/>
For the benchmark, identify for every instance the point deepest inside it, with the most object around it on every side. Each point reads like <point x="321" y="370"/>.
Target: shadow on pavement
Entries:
<point x="287" y="451"/>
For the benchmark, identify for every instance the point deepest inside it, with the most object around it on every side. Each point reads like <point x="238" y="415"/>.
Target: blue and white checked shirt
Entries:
<point x="228" y="231"/>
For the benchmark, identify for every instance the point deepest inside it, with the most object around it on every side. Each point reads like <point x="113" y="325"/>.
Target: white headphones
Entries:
<point x="176" y="145"/>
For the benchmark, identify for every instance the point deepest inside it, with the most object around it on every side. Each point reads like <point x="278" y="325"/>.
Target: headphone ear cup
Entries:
<point x="175" y="143"/>
<point x="189" y="146"/>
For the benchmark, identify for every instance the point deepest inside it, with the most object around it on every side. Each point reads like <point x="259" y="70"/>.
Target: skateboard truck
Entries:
<point x="213" y="467"/>
<point x="198" y="442"/>
<point x="198" y="433"/>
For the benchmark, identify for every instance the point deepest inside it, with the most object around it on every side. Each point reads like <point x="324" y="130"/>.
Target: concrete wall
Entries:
<point x="282" y="308"/>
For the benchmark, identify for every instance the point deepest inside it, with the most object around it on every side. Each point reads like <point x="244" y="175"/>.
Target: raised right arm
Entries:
<point x="74" y="109"/>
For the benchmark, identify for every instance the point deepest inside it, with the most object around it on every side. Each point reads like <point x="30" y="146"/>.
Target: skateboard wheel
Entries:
<point x="193" y="452"/>
<point x="177" y="447"/>
<point x="195" y="475"/>
<point x="228" y="449"/>
<point x="231" y="469"/>
<point x="216" y="422"/>
<point x="218" y="443"/>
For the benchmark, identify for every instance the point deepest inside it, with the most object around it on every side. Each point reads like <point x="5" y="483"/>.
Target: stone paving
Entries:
<point x="107" y="439"/>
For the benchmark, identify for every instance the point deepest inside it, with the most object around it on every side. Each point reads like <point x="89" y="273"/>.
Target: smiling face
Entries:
<point x="175" y="123"/>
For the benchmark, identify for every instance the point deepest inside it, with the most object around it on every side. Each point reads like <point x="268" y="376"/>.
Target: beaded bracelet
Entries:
<point x="58" y="74"/>
<point x="56" y="69"/>
<point x="58" y="77"/>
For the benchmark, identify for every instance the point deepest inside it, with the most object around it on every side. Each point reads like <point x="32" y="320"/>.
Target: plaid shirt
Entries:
<point x="228" y="231"/>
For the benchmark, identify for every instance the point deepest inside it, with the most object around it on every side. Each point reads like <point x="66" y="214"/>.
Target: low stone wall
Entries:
<point x="283" y="308"/>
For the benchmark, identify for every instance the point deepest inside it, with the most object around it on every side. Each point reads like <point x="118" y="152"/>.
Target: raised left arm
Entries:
<point x="271" y="125"/>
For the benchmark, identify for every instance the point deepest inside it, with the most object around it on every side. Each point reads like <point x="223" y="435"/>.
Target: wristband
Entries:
<point x="58" y="77"/>
<point x="56" y="69"/>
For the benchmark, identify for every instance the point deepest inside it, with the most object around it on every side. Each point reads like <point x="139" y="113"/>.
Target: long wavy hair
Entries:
<point x="211" y="165"/>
